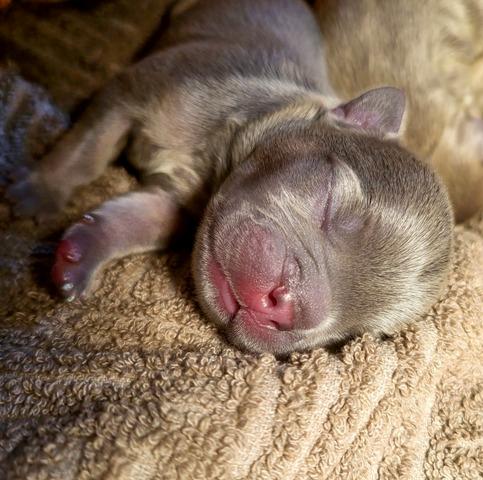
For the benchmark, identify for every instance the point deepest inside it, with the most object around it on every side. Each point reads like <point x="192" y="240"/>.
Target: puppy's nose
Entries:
<point x="275" y="309"/>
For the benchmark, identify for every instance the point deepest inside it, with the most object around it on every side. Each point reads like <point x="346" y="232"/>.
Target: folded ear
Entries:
<point x="380" y="109"/>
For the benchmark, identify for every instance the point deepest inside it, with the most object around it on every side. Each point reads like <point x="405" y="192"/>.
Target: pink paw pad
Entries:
<point x="76" y="258"/>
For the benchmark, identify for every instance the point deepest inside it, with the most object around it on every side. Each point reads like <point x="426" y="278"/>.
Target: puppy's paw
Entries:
<point x="82" y="251"/>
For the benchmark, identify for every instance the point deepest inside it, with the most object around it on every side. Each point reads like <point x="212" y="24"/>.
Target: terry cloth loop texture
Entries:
<point x="135" y="384"/>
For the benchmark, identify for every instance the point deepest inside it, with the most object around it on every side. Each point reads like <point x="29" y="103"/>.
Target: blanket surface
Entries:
<point x="135" y="384"/>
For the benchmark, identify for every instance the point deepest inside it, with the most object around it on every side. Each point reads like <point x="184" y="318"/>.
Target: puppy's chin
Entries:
<point x="247" y="334"/>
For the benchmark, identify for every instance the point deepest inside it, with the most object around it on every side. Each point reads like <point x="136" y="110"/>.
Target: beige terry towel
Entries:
<point x="135" y="384"/>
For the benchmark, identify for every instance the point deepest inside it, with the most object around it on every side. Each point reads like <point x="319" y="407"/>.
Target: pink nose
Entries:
<point x="274" y="309"/>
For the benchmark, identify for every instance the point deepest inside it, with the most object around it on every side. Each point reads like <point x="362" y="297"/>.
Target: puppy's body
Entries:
<point x="314" y="227"/>
<point x="433" y="50"/>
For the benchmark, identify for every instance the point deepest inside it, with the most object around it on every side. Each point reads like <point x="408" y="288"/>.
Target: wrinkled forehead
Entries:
<point x="293" y="190"/>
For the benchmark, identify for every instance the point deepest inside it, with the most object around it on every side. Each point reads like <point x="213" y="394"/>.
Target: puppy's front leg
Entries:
<point x="136" y="222"/>
<point x="80" y="157"/>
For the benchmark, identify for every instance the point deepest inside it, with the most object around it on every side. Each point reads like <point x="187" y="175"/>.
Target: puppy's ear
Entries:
<point x="380" y="110"/>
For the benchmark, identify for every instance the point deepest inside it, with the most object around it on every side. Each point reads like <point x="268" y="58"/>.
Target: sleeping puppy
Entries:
<point x="314" y="224"/>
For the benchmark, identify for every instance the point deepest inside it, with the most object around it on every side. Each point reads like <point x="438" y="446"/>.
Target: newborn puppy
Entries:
<point x="315" y="224"/>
